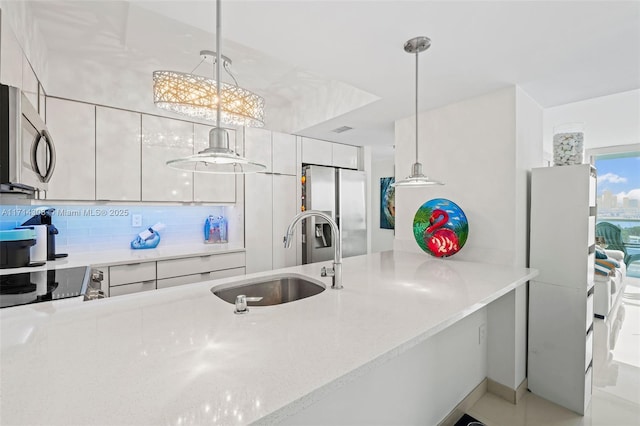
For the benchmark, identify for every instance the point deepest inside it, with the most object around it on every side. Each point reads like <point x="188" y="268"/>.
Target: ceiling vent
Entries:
<point x="342" y="129"/>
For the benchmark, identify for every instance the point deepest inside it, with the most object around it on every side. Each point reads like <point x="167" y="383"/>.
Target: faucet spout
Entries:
<point x="336" y="272"/>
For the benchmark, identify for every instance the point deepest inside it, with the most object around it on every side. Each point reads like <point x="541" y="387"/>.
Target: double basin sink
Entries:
<point x="271" y="290"/>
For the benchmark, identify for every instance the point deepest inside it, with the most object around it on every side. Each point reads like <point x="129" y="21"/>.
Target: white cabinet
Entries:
<point x="165" y="139"/>
<point x="285" y="207"/>
<point x="561" y="297"/>
<point x="198" y="278"/>
<point x="189" y="270"/>
<point x="345" y="156"/>
<point x="257" y="146"/>
<point x="72" y="126"/>
<point x="145" y="276"/>
<point x="271" y="204"/>
<point x="318" y="152"/>
<point x="212" y="187"/>
<point x="283" y="153"/>
<point x="331" y="154"/>
<point x="200" y="264"/>
<point x="117" y="154"/>
<point x="132" y="278"/>
<point x="258" y="222"/>
<point x="271" y="200"/>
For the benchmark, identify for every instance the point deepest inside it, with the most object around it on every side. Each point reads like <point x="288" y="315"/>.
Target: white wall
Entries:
<point x="470" y="146"/>
<point x="482" y="149"/>
<point x="609" y="120"/>
<point x="381" y="239"/>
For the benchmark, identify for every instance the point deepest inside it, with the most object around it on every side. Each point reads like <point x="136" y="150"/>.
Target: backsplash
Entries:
<point x="106" y="227"/>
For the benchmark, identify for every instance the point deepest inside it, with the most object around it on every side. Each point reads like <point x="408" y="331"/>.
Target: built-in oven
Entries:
<point x="45" y="285"/>
<point x="27" y="151"/>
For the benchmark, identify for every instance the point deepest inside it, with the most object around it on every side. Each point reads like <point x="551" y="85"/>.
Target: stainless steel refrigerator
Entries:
<point x="340" y="193"/>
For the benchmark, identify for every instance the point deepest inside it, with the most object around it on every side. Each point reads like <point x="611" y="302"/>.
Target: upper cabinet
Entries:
<point x="323" y="153"/>
<point x="212" y="187"/>
<point x="284" y="153"/>
<point x="165" y="139"/>
<point x="72" y="126"/>
<point x="345" y="156"/>
<point x="117" y="154"/>
<point x="318" y="152"/>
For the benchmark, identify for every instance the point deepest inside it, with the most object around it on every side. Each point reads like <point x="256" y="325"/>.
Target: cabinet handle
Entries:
<point x="133" y="264"/>
<point x="206" y="256"/>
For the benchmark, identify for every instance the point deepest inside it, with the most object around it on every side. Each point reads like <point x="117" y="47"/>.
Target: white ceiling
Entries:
<point x="325" y="64"/>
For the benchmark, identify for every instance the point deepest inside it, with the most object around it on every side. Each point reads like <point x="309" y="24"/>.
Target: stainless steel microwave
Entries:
<point x="27" y="152"/>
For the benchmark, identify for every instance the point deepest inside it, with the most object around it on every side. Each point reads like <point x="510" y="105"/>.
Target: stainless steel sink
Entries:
<point x="274" y="290"/>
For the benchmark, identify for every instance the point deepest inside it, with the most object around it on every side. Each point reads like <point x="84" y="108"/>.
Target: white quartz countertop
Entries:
<point x="181" y="356"/>
<point x="124" y="256"/>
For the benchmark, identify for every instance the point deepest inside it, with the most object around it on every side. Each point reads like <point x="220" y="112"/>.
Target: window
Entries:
<point x="619" y="201"/>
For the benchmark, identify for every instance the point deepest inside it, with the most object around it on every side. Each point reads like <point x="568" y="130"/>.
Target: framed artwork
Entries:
<point x="387" y="203"/>
<point x="440" y="227"/>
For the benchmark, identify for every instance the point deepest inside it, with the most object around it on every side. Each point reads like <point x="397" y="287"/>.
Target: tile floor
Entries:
<point x="616" y="379"/>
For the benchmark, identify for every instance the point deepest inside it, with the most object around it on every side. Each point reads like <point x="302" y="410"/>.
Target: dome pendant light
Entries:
<point x="218" y="158"/>
<point x="417" y="178"/>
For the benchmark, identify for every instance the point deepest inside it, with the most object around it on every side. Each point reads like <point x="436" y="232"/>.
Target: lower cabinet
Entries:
<point x="120" y="290"/>
<point x="196" y="278"/>
<point x="145" y="276"/>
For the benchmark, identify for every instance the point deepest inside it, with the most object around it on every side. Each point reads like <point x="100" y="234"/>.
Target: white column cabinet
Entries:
<point x="271" y="200"/>
<point x="284" y="154"/>
<point x="165" y="139"/>
<point x="72" y="126"/>
<point x="258" y="222"/>
<point x="285" y="207"/>
<point x="210" y="187"/>
<point x="561" y="298"/>
<point x="118" y="159"/>
<point x="257" y="146"/>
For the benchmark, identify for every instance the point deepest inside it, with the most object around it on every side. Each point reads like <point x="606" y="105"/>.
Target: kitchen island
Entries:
<point x="181" y="356"/>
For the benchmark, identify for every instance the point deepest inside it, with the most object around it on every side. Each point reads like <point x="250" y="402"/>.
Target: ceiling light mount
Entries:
<point x="415" y="46"/>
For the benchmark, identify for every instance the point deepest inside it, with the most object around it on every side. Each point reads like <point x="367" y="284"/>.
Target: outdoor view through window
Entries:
<point x="619" y="204"/>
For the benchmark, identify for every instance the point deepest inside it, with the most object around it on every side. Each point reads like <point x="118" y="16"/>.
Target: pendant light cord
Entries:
<point x="417" y="52"/>
<point x="218" y="58"/>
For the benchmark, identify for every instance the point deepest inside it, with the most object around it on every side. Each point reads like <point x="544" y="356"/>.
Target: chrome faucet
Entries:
<point x="336" y="271"/>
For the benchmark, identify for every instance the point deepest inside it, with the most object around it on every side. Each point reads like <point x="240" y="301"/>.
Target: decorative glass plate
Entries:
<point x="440" y="227"/>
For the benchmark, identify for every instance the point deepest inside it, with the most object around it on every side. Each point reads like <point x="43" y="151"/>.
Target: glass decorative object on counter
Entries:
<point x="568" y="144"/>
<point x="215" y="230"/>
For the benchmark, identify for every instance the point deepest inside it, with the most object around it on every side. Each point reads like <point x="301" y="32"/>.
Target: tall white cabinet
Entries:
<point x="563" y="213"/>
<point x="270" y="200"/>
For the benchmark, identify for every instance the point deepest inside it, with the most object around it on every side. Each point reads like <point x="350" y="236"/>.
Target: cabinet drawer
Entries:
<point x="588" y="353"/>
<point x="199" y="264"/>
<point x="132" y="273"/>
<point x="132" y="288"/>
<point x="197" y="278"/>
